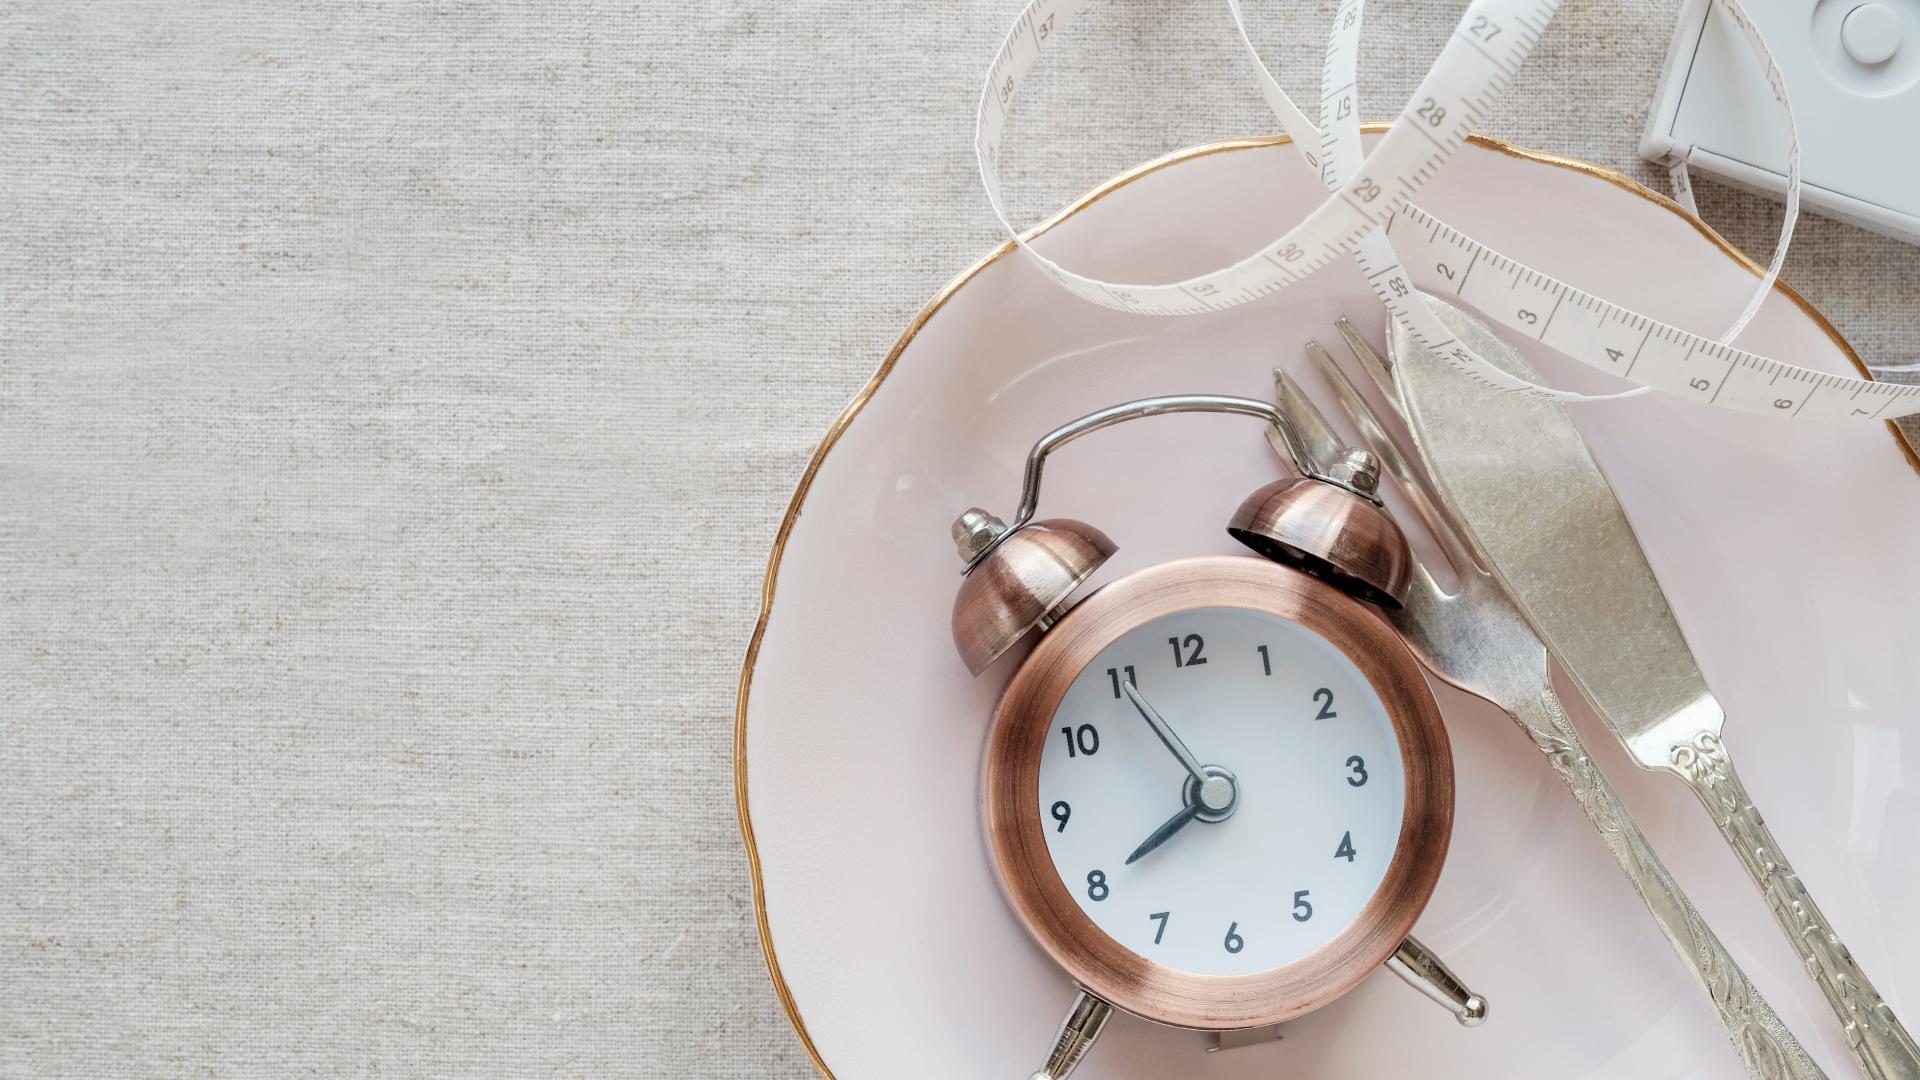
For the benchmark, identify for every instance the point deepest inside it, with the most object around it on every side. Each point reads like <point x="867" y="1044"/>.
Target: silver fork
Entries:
<point x="1476" y="639"/>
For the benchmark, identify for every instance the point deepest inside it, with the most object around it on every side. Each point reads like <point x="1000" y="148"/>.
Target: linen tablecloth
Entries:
<point x="397" y="402"/>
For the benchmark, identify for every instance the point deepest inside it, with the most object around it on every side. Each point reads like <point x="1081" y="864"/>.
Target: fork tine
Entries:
<point x="1421" y="495"/>
<point x="1312" y="422"/>
<point x="1323" y="447"/>
<point x="1373" y="364"/>
<point x="1420" y="481"/>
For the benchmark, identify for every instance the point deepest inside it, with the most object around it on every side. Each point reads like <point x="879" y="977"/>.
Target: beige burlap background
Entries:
<point x="397" y="402"/>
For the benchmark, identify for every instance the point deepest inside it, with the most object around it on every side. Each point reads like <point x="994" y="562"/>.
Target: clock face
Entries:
<point x="1280" y="841"/>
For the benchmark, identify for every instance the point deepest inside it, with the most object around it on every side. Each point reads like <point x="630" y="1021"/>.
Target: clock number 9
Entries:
<point x="1097" y="885"/>
<point x="1234" y="942"/>
<point x="1061" y="812"/>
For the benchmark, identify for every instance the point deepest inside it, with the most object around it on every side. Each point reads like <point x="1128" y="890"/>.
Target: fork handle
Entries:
<point x="1882" y="1047"/>
<point x="1765" y="1046"/>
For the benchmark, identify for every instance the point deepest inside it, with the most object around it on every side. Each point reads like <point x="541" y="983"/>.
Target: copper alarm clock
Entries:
<point x="1217" y="791"/>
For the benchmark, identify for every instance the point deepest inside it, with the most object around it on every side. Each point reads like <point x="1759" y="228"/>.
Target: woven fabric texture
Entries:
<point x="397" y="403"/>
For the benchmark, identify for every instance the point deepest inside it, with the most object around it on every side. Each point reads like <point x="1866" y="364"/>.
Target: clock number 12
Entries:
<point x="1193" y="644"/>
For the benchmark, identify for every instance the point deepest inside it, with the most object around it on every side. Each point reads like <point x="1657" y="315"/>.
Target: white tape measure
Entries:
<point x="1369" y="216"/>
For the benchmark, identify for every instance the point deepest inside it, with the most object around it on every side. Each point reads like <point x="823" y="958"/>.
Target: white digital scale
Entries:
<point x="1852" y="72"/>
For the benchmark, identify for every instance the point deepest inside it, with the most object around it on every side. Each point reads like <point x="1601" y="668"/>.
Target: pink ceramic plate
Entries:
<point x="860" y="733"/>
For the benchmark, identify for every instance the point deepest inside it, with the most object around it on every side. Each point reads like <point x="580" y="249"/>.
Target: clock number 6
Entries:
<point x="1234" y="942"/>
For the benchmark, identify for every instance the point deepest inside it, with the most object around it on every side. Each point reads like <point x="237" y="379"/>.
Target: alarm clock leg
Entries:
<point x="1241" y="1038"/>
<point x="1425" y="972"/>
<point x="1077" y="1032"/>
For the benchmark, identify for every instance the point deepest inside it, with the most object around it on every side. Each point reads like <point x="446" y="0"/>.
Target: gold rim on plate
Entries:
<point x="865" y="394"/>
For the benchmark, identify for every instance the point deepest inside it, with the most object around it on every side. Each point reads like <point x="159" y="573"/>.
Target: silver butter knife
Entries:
<point x="1517" y="474"/>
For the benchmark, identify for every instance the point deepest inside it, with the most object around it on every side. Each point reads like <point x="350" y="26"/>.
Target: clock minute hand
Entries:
<point x="1160" y="728"/>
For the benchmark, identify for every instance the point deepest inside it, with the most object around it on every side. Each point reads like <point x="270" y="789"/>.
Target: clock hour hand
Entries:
<point x="1160" y="728"/>
<point x="1172" y="825"/>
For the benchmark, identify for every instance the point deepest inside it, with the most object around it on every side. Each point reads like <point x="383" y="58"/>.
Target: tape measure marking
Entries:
<point x="1367" y="193"/>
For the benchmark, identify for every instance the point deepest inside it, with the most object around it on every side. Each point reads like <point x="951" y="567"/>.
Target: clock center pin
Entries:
<point x="1217" y="794"/>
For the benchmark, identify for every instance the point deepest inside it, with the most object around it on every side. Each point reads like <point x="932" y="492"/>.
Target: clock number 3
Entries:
<point x="1359" y="766"/>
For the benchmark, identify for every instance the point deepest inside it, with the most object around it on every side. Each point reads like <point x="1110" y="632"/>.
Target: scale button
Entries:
<point x="1871" y="33"/>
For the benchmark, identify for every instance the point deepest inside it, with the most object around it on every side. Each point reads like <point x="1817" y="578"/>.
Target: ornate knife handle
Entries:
<point x="1766" y="1047"/>
<point x="1883" y="1048"/>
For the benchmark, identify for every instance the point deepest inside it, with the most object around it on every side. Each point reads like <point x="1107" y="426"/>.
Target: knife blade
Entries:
<point x="1543" y="514"/>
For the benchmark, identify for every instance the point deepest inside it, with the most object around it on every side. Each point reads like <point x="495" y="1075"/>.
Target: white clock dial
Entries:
<point x="1285" y="845"/>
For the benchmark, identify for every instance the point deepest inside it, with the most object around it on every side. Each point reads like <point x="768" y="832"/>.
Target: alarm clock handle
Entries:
<point x="1426" y="973"/>
<point x="1303" y="461"/>
<point x="1077" y="1032"/>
